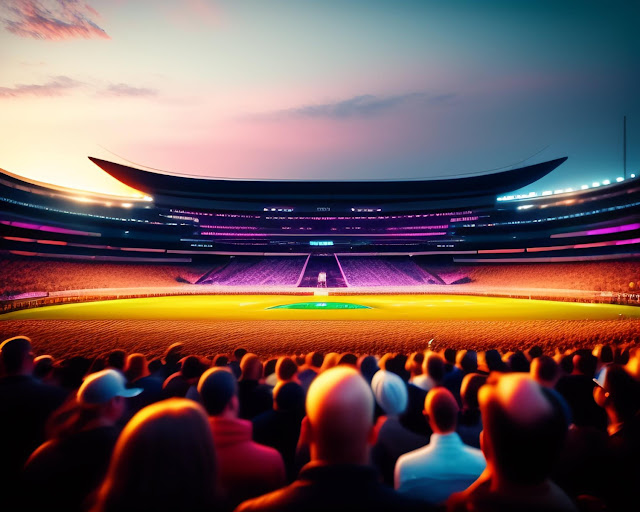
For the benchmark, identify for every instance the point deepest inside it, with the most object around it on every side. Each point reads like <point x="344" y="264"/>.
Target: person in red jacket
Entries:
<point x="247" y="469"/>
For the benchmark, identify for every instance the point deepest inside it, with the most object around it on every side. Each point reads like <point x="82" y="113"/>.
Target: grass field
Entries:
<point x="210" y="325"/>
<point x="376" y="307"/>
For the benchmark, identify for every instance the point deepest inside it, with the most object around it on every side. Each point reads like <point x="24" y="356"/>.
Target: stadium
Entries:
<point x="282" y="266"/>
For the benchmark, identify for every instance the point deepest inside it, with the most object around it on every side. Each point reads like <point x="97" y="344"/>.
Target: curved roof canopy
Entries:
<point x="160" y="183"/>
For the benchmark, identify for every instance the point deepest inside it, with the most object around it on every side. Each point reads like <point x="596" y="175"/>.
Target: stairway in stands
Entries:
<point x="322" y="263"/>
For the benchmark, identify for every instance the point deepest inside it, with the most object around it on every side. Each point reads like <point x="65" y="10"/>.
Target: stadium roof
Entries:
<point x="173" y="185"/>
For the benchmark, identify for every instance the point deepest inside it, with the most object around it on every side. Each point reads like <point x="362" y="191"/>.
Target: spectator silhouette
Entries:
<point x="246" y="468"/>
<point x="163" y="461"/>
<point x="577" y="390"/>
<point x="432" y="374"/>
<point x="493" y="361"/>
<point x="392" y="439"/>
<point x="525" y="426"/>
<point x="280" y="427"/>
<point x="255" y="396"/>
<point x="545" y="371"/>
<point x="286" y="371"/>
<point x="146" y="376"/>
<point x="368" y="366"/>
<point x="234" y="364"/>
<point x="348" y="359"/>
<point x="433" y="366"/>
<point x="25" y="405"/>
<point x="414" y="365"/>
<point x="310" y="369"/>
<point x="444" y="466"/>
<point x="62" y="472"/>
<point x="221" y="360"/>
<point x="518" y="362"/>
<point x="43" y="369"/>
<point x="117" y="359"/>
<point x="466" y="362"/>
<point x="338" y="429"/>
<point x="177" y="384"/>
<point x="619" y="394"/>
<point x="171" y="359"/>
<point x="269" y="375"/>
<point x="329" y="361"/>
<point x="449" y="354"/>
<point x="470" y="419"/>
<point x="136" y="367"/>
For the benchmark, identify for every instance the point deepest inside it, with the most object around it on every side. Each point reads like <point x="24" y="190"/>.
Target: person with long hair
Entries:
<point x="164" y="460"/>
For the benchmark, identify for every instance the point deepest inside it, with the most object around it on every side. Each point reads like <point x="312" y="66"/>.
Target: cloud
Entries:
<point x="61" y="85"/>
<point x="57" y="86"/>
<point x="51" y="19"/>
<point x="128" y="90"/>
<point x="363" y="106"/>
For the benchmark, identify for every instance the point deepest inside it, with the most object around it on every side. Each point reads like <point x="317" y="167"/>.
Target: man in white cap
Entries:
<point x="392" y="439"/>
<point x="65" y="469"/>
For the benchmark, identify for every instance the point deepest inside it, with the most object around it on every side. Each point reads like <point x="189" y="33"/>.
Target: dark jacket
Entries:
<point x="332" y="488"/>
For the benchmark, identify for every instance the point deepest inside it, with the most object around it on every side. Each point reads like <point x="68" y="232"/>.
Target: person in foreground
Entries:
<point x="164" y="461"/>
<point x="246" y="469"/>
<point x="63" y="471"/>
<point x="339" y="430"/>
<point x="525" y="426"/>
<point x="445" y="465"/>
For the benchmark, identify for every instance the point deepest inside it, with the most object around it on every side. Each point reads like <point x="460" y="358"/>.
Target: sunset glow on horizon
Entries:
<point x="316" y="90"/>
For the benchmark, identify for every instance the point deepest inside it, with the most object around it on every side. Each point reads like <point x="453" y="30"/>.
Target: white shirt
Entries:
<point x="435" y="471"/>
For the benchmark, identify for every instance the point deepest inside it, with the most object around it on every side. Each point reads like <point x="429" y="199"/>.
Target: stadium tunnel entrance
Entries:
<point x="326" y="267"/>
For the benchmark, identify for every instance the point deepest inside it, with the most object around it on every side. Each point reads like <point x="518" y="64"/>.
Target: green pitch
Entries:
<point x="292" y="307"/>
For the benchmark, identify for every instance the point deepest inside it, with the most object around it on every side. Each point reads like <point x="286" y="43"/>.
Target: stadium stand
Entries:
<point x="247" y="270"/>
<point x="398" y="271"/>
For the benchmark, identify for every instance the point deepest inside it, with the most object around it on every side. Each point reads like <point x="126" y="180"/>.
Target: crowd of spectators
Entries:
<point x="34" y="275"/>
<point x="20" y="275"/>
<point x="447" y="430"/>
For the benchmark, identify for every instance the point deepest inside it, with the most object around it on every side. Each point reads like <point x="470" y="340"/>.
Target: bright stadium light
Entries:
<point x="559" y="191"/>
<point x="595" y="184"/>
<point x="127" y="205"/>
<point x="584" y="187"/>
<point x="619" y="179"/>
<point x="547" y="193"/>
<point x="633" y="175"/>
<point x="606" y="182"/>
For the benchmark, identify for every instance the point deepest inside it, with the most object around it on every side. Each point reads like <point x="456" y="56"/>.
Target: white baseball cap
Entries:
<point x="100" y="387"/>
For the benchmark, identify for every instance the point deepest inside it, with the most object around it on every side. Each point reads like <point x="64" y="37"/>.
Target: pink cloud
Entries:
<point x="51" y="19"/>
<point x="125" y="90"/>
<point x="57" y="86"/>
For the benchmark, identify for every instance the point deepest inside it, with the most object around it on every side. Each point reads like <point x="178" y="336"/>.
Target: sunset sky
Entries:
<point x="317" y="89"/>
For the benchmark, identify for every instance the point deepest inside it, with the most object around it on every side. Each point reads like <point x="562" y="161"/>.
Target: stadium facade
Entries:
<point x="185" y="219"/>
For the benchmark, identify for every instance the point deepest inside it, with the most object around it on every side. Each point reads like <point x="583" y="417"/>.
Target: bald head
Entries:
<point x="524" y="427"/>
<point x="340" y="409"/>
<point x="442" y="410"/>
